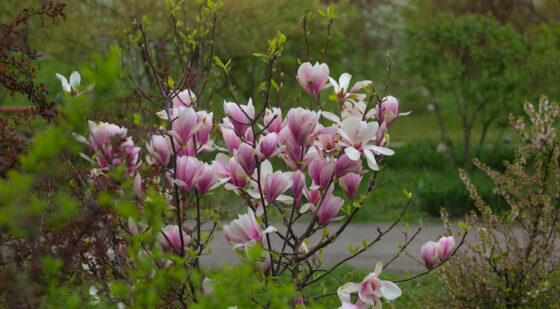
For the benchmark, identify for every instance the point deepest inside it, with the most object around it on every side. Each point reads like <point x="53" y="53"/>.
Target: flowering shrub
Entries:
<point x="513" y="261"/>
<point x="145" y="222"/>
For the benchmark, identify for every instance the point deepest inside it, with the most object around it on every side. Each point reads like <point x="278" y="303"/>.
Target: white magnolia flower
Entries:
<point x="72" y="87"/>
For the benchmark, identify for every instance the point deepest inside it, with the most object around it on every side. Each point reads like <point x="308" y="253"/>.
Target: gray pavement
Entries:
<point x="385" y="249"/>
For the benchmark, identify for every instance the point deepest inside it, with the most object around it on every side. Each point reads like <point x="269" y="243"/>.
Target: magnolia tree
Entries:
<point x="315" y="165"/>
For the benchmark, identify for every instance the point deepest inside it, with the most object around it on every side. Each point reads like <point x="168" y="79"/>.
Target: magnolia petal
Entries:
<point x="348" y="289"/>
<point x="352" y="153"/>
<point x="378" y="269"/>
<point x="360" y="85"/>
<point x="335" y="84"/>
<point x="162" y="114"/>
<point x="371" y="113"/>
<point x="380" y="150"/>
<point x="368" y="300"/>
<point x="330" y="116"/>
<point x="260" y="211"/>
<point x="344" y="81"/>
<point x="306" y="207"/>
<point x="64" y="82"/>
<point x="75" y="80"/>
<point x="372" y="164"/>
<point x="390" y="290"/>
<point x="285" y="198"/>
<point x="80" y="138"/>
<point x="176" y="136"/>
<point x="404" y="114"/>
<point x="87" y="158"/>
<point x="270" y="229"/>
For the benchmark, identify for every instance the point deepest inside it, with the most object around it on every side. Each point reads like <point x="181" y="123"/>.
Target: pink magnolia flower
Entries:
<point x="188" y="171"/>
<point x="344" y="166"/>
<point x="342" y="88"/>
<point x="137" y="185"/>
<point x="321" y="172"/>
<point x="160" y="149"/>
<point x="232" y="140"/>
<point x="241" y="116"/>
<point x="370" y="290"/>
<point x="184" y="98"/>
<point x="389" y="110"/>
<point x="328" y="208"/>
<point x="184" y="126"/>
<point x="356" y="134"/>
<point x="313" y="196"/>
<point x="208" y="179"/>
<point x="430" y="254"/>
<point x="298" y="183"/>
<point x="313" y="78"/>
<point x="302" y="122"/>
<point x="204" y="120"/>
<point x="303" y="249"/>
<point x="246" y="158"/>
<point x="326" y="139"/>
<point x="112" y="146"/>
<point x="445" y="248"/>
<point x="245" y="231"/>
<point x="381" y="137"/>
<point x="350" y="108"/>
<point x="350" y="183"/>
<point x="273" y="120"/>
<point x="268" y="146"/>
<point x="230" y="169"/>
<point x="294" y="154"/>
<point x="101" y="137"/>
<point x="273" y="184"/>
<point x="171" y="240"/>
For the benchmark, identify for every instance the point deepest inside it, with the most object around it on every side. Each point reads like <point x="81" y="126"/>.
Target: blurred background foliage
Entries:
<point x="514" y="44"/>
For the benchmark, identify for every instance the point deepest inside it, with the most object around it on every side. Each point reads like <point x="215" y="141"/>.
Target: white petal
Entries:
<point x="380" y="150"/>
<point x="162" y="114"/>
<point x="80" y="138"/>
<point x="344" y="81"/>
<point x="260" y="211"/>
<point x="390" y="290"/>
<point x="285" y="199"/>
<point x="352" y="153"/>
<point x="179" y="183"/>
<point x="75" y="80"/>
<point x="270" y="229"/>
<point x="360" y="85"/>
<point x="335" y="84"/>
<point x="64" y="82"/>
<point x="378" y="269"/>
<point x="372" y="164"/>
<point x="305" y="208"/>
<point x="330" y="116"/>
<point x="371" y="113"/>
<point x="176" y="136"/>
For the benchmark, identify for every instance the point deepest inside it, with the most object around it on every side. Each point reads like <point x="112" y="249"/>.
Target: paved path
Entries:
<point x="385" y="249"/>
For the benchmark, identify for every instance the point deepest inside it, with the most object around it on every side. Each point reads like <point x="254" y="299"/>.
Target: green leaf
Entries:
<point x="254" y="252"/>
<point x="464" y="225"/>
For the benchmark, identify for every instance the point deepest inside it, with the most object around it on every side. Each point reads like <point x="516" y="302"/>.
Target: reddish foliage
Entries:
<point x="18" y="70"/>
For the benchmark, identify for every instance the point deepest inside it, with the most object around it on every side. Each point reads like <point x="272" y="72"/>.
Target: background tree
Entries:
<point x="473" y="62"/>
